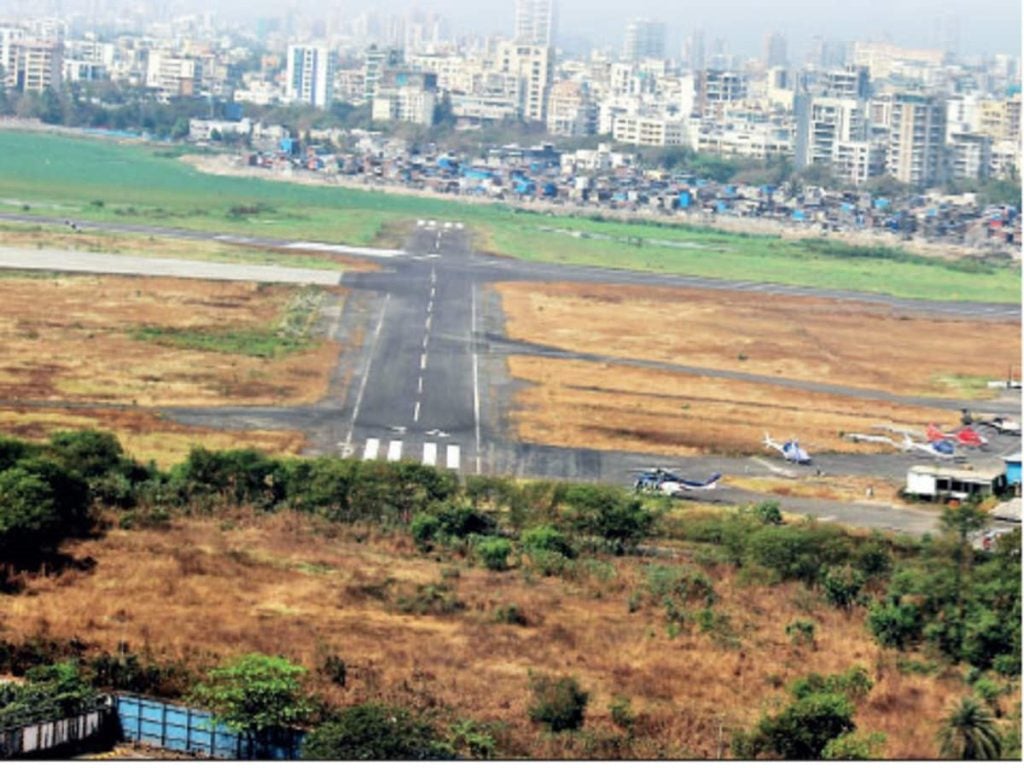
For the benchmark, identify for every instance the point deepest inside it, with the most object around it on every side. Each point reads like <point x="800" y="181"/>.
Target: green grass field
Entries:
<point x="105" y="181"/>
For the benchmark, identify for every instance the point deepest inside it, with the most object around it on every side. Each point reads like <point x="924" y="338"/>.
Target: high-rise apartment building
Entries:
<point x="310" y="75"/>
<point x="917" y="134"/>
<point x="531" y="66"/>
<point x="536" y="21"/>
<point x="172" y="75"/>
<point x="645" y="39"/>
<point x="774" y="50"/>
<point x="33" y="66"/>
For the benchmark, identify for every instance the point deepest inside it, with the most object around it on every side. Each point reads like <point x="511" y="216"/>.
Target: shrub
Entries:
<point x="424" y="528"/>
<point x="767" y="512"/>
<point x="494" y="551"/>
<point x="621" y="710"/>
<point x="855" y="683"/>
<point x="842" y="586"/>
<point x="374" y="732"/>
<point x="546" y="538"/>
<point x="894" y="625"/>
<point x="430" y="600"/>
<point x="801" y="632"/>
<point x="853" y="746"/>
<point x="558" y="702"/>
<point x="511" y="614"/>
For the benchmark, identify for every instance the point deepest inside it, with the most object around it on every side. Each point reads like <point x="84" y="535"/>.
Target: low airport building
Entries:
<point x="941" y="483"/>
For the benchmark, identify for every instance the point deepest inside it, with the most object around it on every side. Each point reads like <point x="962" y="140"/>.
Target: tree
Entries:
<point x="255" y="694"/>
<point x="558" y="702"/>
<point x="969" y="732"/>
<point x="89" y="452"/>
<point x="854" y="746"/>
<point x="842" y="586"/>
<point x="895" y="624"/>
<point x="374" y="732"/>
<point x="805" y="727"/>
<point x="960" y="521"/>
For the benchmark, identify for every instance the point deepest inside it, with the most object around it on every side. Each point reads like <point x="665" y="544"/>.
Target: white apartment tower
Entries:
<point x="310" y="75"/>
<point x="535" y="22"/>
<point x="645" y="39"/>
<point x="917" y="134"/>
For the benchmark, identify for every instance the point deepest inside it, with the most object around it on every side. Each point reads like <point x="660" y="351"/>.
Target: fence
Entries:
<point x="181" y="729"/>
<point x="54" y="734"/>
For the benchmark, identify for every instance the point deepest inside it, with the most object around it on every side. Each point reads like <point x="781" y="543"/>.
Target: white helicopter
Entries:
<point x="790" y="450"/>
<point x="939" y="449"/>
<point x="668" y="483"/>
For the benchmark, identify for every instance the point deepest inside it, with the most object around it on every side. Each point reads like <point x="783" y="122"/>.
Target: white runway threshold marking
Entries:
<point x="430" y="454"/>
<point x="370" y="451"/>
<point x="394" y="450"/>
<point x="452" y="458"/>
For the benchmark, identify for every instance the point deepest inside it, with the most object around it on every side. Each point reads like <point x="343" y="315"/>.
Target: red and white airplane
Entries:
<point x="965" y="436"/>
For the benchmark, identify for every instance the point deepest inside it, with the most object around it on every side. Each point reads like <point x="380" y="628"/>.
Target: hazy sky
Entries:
<point x="983" y="26"/>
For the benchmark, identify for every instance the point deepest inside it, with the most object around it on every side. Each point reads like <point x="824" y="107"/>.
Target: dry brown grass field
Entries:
<point x="71" y="345"/>
<point x="143" y="434"/>
<point x="292" y="585"/>
<point x="72" y="339"/>
<point x="846" y="343"/>
<point x="626" y="408"/>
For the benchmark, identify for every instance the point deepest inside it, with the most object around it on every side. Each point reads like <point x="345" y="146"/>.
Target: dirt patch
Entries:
<point x="144" y="435"/>
<point x="854" y="344"/>
<point x="295" y="586"/>
<point x="76" y="339"/>
<point x="624" y="408"/>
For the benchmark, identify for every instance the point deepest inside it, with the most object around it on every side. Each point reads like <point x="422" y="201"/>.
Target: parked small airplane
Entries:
<point x="668" y="483"/>
<point x="965" y="436"/>
<point x="790" y="450"/>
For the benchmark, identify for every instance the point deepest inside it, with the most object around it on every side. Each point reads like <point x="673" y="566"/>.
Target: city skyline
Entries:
<point x="973" y="29"/>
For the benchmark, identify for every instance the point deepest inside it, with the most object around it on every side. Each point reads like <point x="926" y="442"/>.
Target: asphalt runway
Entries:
<point x="423" y="374"/>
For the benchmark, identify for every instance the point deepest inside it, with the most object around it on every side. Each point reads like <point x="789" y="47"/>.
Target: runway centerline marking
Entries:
<point x="427" y="323"/>
<point x="366" y="375"/>
<point x="423" y="361"/>
<point x="416" y="412"/>
<point x="419" y="386"/>
<point x="426" y="338"/>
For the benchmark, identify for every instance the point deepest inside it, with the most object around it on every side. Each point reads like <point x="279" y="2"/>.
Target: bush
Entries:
<point x="842" y="586"/>
<point x="853" y="746"/>
<point x="424" y="528"/>
<point x="511" y="614"/>
<point x="558" y="702"/>
<point x="51" y="692"/>
<point x="855" y="683"/>
<point x="621" y="711"/>
<point x="546" y="538"/>
<point x="801" y="632"/>
<point x="610" y="514"/>
<point x="895" y="625"/>
<point x="494" y="551"/>
<point x="374" y="732"/>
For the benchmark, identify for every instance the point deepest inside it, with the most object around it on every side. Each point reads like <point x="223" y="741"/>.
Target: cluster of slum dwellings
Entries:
<point x="545" y="173"/>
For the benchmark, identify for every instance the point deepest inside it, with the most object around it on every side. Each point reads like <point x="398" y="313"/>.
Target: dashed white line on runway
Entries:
<point x="416" y="412"/>
<point x="426" y="338"/>
<point x="423" y="361"/>
<point x="419" y="386"/>
<point x="427" y="323"/>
